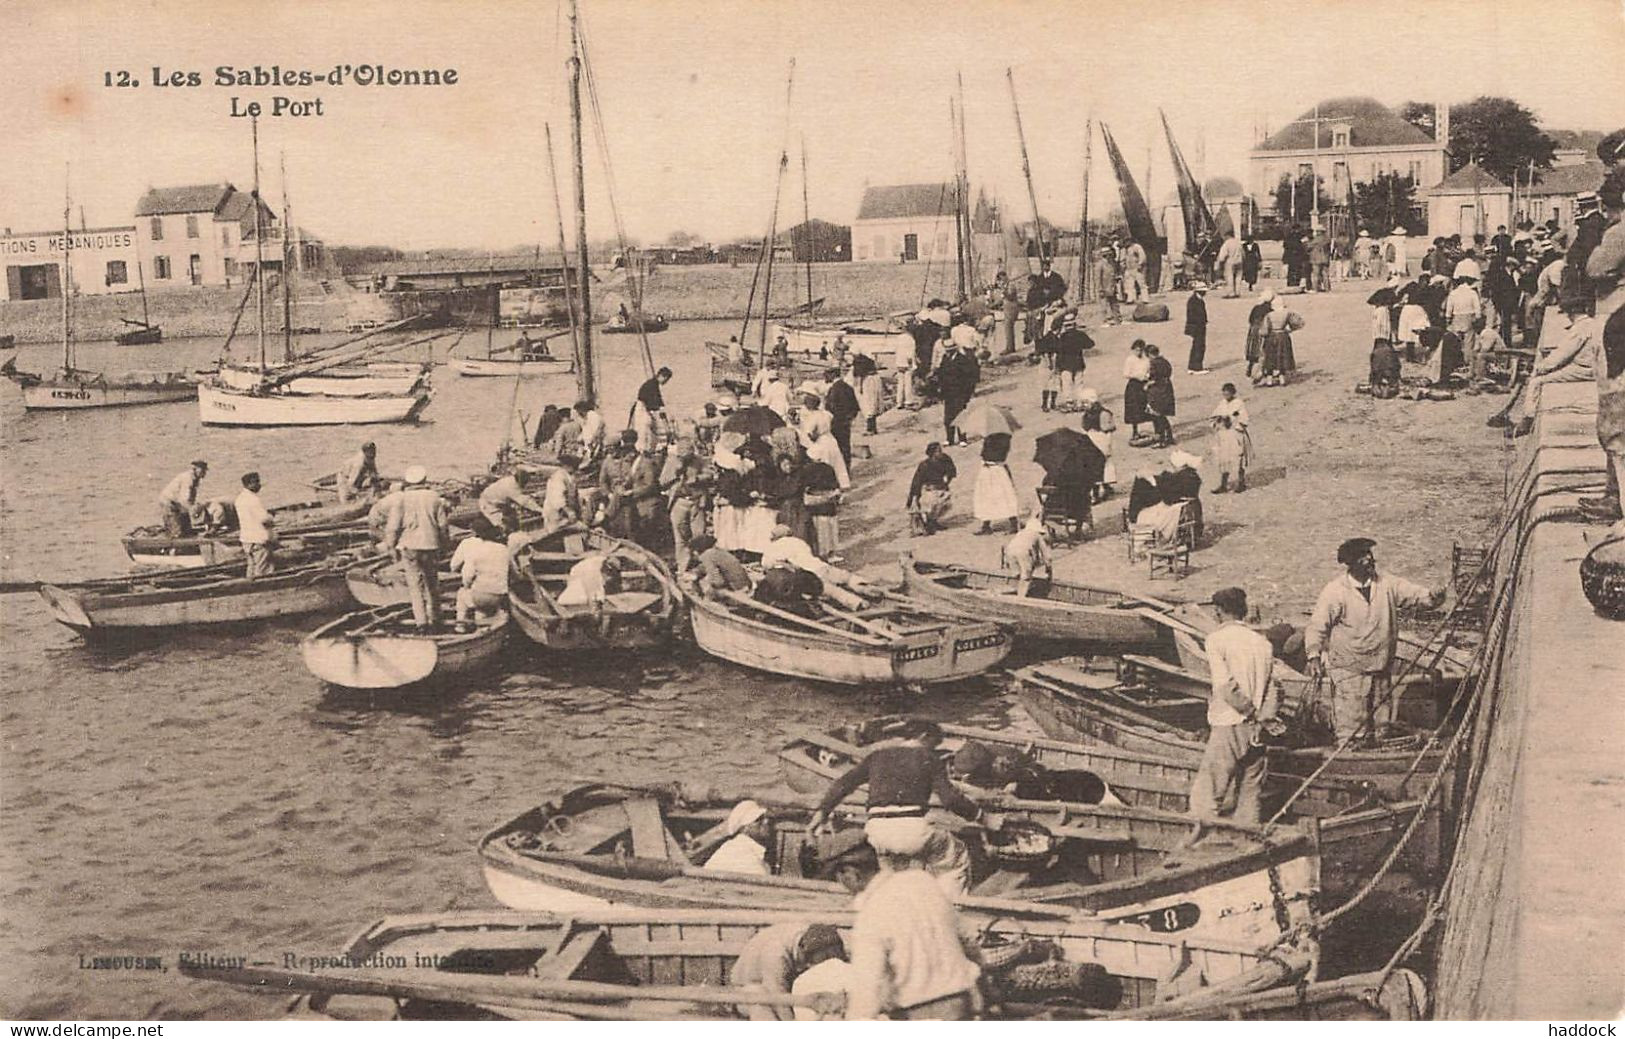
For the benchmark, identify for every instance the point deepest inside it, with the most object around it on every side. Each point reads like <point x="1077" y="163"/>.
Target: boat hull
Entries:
<point x="394" y="659"/>
<point x="813" y="340"/>
<point x="1071" y="615"/>
<point x="360" y="382"/>
<point x="76" y="396"/>
<point x="307" y="521"/>
<point x="218" y="406"/>
<point x="140" y="336"/>
<point x="641" y="616"/>
<point x="491" y="368"/>
<point x="959" y="651"/>
<point x="226" y="602"/>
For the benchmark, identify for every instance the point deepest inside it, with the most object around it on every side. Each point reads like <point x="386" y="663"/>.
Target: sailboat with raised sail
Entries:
<point x="143" y="331"/>
<point x="240" y="396"/>
<point x="71" y="388"/>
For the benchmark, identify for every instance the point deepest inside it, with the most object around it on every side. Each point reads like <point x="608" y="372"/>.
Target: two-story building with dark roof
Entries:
<point x="202" y="234"/>
<point x="1348" y="138"/>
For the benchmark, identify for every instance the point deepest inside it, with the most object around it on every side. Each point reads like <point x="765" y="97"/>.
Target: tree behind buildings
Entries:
<point x="1499" y="134"/>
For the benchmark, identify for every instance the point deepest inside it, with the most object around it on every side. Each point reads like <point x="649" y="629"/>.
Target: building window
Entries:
<point x="231" y="267"/>
<point x="117" y="273"/>
<point x="160" y="268"/>
<point x="1340" y="138"/>
<point x="191" y="225"/>
<point x="225" y="236"/>
<point x="194" y="269"/>
<point x="1416" y="171"/>
<point x="157" y="229"/>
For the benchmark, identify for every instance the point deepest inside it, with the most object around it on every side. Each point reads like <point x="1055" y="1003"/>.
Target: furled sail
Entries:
<point x="1135" y="212"/>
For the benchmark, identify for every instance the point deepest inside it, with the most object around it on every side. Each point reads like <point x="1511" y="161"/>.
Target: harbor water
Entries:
<point x="202" y="795"/>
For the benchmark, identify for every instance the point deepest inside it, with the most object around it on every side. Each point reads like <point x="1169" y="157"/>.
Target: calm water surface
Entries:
<point x="201" y="794"/>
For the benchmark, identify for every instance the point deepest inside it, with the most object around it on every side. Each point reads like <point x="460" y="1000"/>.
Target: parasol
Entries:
<point x="753" y="421"/>
<point x="1070" y="453"/>
<point x="987" y="419"/>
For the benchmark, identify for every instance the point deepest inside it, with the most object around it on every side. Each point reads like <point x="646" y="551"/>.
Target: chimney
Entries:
<point x="1441" y="123"/>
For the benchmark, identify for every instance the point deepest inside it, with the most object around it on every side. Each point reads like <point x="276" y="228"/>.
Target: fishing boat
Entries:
<point x="621" y="844"/>
<point x="525" y="356"/>
<point x="892" y="639"/>
<point x="220" y="405"/>
<point x="381" y="648"/>
<point x="1052" y="610"/>
<point x="387" y="378"/>
<point x="142" y="334"/>
<point x="306" y="583"/>
<point x="639" y="614"/>
<point x="71" y="388"/>
<point x="1067" y="704"/>
<point x="626" y="964"/>
<point x="633" y="324"/>
<point x="813" y="341"/>
<point x="1356" y="827"/>
<point x="738" y="376"/>
<point x="310" y="521"/>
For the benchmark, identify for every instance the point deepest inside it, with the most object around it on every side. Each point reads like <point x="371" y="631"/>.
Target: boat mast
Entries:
<point x="773" y="222"/>
<point x="259" y="242"/>
<point x="67" y="270"/>
<point x="287" y="268"/>
<point x="141" y="279"/>
<point x="1083" y="219"/>
<point x="806" y="221"/>
<point x="959" y="201"/>
<point x="585" y="375"/>
<point x="1026" y="167"/>
<point x="964" y="183"/>
<point x="564" y="249"/>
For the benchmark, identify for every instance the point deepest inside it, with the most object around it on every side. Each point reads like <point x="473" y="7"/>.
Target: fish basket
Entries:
<point x="1020" y="843"/>
<point x="1602" y="578"/>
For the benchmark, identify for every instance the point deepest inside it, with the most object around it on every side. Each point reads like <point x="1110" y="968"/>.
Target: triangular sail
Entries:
<point x="1135" y="212"/>
<point x="1199" y="225"/>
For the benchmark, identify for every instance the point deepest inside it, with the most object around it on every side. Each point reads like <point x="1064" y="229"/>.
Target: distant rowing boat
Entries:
<point x="151" y="546"/>
<point x="380" y="649"/>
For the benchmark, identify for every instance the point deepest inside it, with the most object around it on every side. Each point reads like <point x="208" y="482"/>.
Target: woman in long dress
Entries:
<point x="994" y="500"/>
<point x="1136" y="370"/>
<point x="1159" y="396"/>
<point x="1255" y="329"/>
<point x="1098" y="426"/>
<point x="1279" y="360"/>
<point x="1234" y="408"/>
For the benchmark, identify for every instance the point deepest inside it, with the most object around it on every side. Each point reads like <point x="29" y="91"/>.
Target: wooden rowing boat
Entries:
<point x="620" y="844"/>
<point x="1052" y="610"/>
<point x="1356" y="827"/>
<point x="623" y="964"/>
<point x="150" y="546"/>
<point x="381" y="649"/>
<point x="639" y="614"/>
<point x="1067" y="704"/>
<point x="646" y="323"/>
<point x="891" y="640"/>
<point x="309" y="583"/>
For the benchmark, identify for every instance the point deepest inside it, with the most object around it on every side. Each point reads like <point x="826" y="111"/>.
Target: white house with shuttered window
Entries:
<point x="202" y="235"/>
<point x="904" y="223"/>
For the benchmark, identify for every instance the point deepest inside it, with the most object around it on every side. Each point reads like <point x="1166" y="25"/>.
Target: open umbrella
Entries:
<point x="1069" y="453"/>
<point x="985" y="419"/>
<point x="753" y="421"/>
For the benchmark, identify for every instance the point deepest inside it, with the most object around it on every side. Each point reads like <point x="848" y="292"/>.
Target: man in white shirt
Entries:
<point x="745" y="851"/>
<point x="592" y="431"/>
<point x="481" y="562"/>
<point x="254" y="528"/>
<point x="1353" y="634"/>
<point x="1463" y="311"/>
<point x="561" y="501"/>
<point x="1233" y="764"/>
<point x="1229" y="262"/>
<point x="778" y="958"/>
<point x="177" y="502"/>
<point x="775" y="393"/>
<point x="504" y="502"/>
<point x="785" y="549"/>
<point x="586" y="584"/>
<point x="908" y="962"/>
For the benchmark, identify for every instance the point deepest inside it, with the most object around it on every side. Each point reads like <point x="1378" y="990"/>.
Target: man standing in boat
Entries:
<point x="649" y="409"/>
<point x="505" y="501"/>
<point x="177" y="502"/>
<point x="1353" y="634"/>
<point x="358" y="477"/>
<point x="255" y="528"/>
<point x="903" y="777"/>
<point x="1233" y="765"/>
<point x="417" y="532"/>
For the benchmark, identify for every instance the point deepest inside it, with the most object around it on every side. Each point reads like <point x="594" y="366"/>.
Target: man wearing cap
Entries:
<point x="358" y="477"/>
<point x="1069" y="363"/>
<point x="745" y="850"/>
<point x="777" y="957"/>
<point x="1106" y="284"/>
<point x="255" y="528"/>
<point x="719" y="569"/>
<point x="909" y="960"/>
<point x="1196" y="328"/>
<point x="842" y="404"/>
<point x="1352" y="636"/>
<point x="1134" y="286"/>
<point x="1233" y="765"/>
<point x="775" y="393"/>
<point x="177" y="502"/>
<point x="903" y="775"/>
<point x="650" y="408"/>
<point x="417" y="531"/>
<point x="505" y="501"/>
<point x="1464" y="315"/>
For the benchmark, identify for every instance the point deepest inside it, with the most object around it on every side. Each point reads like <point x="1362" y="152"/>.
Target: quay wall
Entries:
<point x="1533" y="922"/>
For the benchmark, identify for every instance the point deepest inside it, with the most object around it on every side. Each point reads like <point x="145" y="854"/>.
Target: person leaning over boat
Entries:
<point x="417" y="531"/>
<point x="902" y="778"/>
<point x="561" y="501"/>
<point x="1352" y="636"/>
<point x="785" y="549"/>
<point x="1233" y="764"/>
<point x="482" y="564"/>
<point x="378" y="515"/>
<point x="745" y="850"/>
<point x="1026" y="553"/>
<point x="776" y="957"/>
<point x="178" y="502"/>
<point x="909" y="961"/>
<point x="504" y="501"/>
<point x="719" y="569"/>
<point x="255" y="528"/>
<point x="358" y="476"/>
<point x="928" y="493"/>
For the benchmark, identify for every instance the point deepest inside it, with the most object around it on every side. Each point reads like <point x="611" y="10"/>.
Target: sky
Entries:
<point x="693" y="97"/>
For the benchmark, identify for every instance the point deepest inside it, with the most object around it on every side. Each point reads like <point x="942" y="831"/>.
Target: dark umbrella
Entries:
<point x="1069" y="452"/>
<point x="753" y="421"/>
<point x="1383" y="297"/>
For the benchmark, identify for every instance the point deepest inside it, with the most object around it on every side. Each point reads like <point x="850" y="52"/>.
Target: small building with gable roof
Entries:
<point x="1469" y="202"/>
<point x="906" y="222"/>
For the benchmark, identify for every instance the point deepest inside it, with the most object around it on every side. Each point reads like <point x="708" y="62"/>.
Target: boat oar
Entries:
<point x="18" y="587"/>
<point x="435" y="986"/>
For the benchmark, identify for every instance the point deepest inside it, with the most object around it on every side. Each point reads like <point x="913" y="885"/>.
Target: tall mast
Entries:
<point x="586" y="377"/>
<point x="959" y="202"/>
<point x="287" y="267"/>
<point x="806" y="220"/>
<point x="259" y="241"/>
<point x="964" y="192"/>
<point x="1026" y="167"/>
<point x="1083" y="217"/>
<point x="773" y="222"/>
<point x="141" y="279"/>
<point x="564" y="248"/>
<point x="67" y="269"/>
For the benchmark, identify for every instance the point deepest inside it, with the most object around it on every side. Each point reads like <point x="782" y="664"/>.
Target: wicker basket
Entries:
<point x="1602" y="578"/>
<point x="1021" y="843"/>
